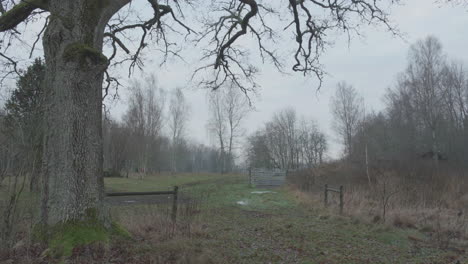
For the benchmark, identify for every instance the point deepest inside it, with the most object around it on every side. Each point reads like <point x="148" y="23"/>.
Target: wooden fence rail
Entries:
<point x="174" y="193"/>
<point x="339" y="191"/>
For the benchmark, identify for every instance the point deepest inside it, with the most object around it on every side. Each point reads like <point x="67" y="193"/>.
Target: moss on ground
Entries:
<point x="63" y="238"/>
<point x="71" y="235"/>
<point x="68" y="236"/>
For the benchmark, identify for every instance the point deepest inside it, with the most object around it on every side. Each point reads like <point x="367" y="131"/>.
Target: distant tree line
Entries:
<point x="125" y="153"/>
<point x="425" y="115"/>
<point x="138" y="143"/>
<point x="286" y="142"/>
<point x="152" y="136"/>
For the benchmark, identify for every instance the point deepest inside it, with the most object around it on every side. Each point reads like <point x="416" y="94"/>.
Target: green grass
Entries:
<point x="276" y="228"/>
<point x="271" y="227"/>
<point x="157" y="182"/>
<point x="6" y="189"/>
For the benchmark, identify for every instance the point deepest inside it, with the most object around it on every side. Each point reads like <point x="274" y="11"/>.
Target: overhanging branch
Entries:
<point x="13" y="17"/>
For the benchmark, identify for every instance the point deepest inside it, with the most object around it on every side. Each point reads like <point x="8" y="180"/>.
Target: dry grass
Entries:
<point x="438" y="206"/>
<point x="155" y="238"/>
<point x="17" y="212"/>
<point x="17" y="232"/>
<point x="160" y="240"/>
<point x="153" y="223"/>
<point x="273" y="228"/>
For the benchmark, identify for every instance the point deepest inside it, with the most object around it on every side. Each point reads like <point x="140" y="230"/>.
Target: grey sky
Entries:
<point x="370" y="64"/>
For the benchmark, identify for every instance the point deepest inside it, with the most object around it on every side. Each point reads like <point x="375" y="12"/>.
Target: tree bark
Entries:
<point x="73" y="156"/>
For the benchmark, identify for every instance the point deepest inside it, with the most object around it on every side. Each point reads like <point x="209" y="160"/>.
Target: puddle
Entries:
<point x="242" y="202"/>
<point x="130" y="201"/>
<point x="262" y="192"/>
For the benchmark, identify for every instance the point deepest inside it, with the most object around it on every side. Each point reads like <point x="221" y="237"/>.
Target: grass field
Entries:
<point x="230" y="224"/>
<point x="158" y="182"/>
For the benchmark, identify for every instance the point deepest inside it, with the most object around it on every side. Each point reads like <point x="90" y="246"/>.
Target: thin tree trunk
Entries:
<point x="223" y="154"/>
<point x="229" y="156"/>
<point x="435" y="155"/>
<point x="36" y="170"/>
<point x="174" y="155"/>
<point x="367" y="167"/>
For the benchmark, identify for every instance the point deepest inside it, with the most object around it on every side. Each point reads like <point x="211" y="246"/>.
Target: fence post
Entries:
<point x="174" y="203"/>
<point x="326" y="195"/>
<point x="341" y="199"/>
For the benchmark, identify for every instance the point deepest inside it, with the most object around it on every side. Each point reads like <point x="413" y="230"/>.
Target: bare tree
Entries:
<point x="347" y="110"/>
<point x="424" y="79"/>
<point x="287" y="143"/>
<point x="312" y="144"/>
<point x="258" y="154"/>
<point x="144" y="118"/>
<point x="236" y="108"/>
<point x="454" y="2"/>
<point x="425" y="119"/>
<point x="178" y="117"/>
<point x="228" y="107"/>
<point x="73" y="37"/>
<point x="217" y="124"/>
<point x="285" y="125"/>
<point x="117" y="145"/>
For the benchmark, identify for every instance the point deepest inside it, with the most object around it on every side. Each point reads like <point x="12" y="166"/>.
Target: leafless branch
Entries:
<point x="39" y="37"/>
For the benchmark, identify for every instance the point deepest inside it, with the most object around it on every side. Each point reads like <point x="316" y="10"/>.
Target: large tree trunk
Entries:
<point x="72" y="158"/>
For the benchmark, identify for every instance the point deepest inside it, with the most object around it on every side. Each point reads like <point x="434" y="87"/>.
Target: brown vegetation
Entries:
<point x="154" y="239"/>
<point x="435" y="202"/>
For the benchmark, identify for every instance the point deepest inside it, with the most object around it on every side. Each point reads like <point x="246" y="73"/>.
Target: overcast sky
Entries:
<point x="370" y="64"/>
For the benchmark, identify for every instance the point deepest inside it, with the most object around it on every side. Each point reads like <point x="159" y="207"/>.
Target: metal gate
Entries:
<point x="265" y="177"/>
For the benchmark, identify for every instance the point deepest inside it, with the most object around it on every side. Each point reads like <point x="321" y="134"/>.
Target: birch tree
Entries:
<point x="228" y="107"/>
<point x="347" y="110"/>
<point x="144" y="118"/>
<point x="424" y="78"/>
<point x="217" y="125"/>
<point x="236" y="108"/>
<point x="178" y="117"/>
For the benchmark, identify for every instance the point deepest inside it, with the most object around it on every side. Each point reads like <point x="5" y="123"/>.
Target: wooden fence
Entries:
<point x="335" y="190"/>
<point x="265" y="177"/>
<point x="174" y="193"/>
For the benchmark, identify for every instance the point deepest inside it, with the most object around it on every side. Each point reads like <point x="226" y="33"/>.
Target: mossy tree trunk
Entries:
<point x="72" y="158"/>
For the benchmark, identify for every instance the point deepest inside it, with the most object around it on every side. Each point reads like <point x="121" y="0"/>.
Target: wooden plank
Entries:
<point x="139" y="193"/>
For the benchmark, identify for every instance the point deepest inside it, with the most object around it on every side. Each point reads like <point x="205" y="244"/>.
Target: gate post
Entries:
<point x="326" y="195"/>
<point x="341" y="199"/>
<point x="174" y="203"/>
